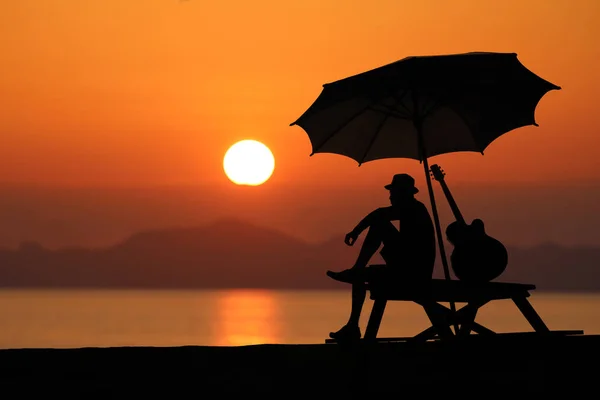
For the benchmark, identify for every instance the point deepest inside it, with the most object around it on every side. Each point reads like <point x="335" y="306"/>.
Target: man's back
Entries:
<point x="416" y="245"/>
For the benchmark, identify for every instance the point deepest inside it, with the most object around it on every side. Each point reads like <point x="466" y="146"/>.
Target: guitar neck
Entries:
<point x="452" y="203"/>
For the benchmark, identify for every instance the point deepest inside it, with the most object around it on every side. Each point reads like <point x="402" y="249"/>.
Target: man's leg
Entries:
<point x="385" y="233"/>
<point x="377" y="234"/>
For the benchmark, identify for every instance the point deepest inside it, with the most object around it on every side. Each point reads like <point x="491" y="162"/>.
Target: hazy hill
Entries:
<point x="520" y="215"/>
<point x="234" y="253"/>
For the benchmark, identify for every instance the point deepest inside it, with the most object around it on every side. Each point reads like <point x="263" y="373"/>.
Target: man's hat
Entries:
<point x="404" y="183"/>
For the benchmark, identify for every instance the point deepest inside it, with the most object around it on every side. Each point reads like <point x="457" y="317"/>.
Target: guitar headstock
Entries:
<point x="437" y="173"/>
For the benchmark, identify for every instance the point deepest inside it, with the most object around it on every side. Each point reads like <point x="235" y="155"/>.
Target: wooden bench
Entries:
<point x="430" y="294"/>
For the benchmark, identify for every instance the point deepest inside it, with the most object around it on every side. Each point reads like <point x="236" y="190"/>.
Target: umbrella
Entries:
<point x="424" y="106"/>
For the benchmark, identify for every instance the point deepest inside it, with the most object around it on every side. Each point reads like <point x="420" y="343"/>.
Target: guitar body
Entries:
<point x="476" y="257"/>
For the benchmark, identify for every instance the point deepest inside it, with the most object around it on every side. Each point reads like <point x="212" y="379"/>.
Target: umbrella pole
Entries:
<point x="436" y="218"/>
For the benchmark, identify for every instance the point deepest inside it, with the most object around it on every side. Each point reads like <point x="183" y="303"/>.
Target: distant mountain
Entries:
<point x="233" y="253"/>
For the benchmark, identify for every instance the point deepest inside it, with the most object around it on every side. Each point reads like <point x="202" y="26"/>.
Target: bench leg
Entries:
<point x="441" y="318"/>
<point x="438" y="319"/>
<point x="530" y="314"/>
<point x="467" y="322"/>
<point x="425" y="335"/>
<point x="466" y="317"/>
<point x="482" y="330"/>
<point x="375" y="319"/>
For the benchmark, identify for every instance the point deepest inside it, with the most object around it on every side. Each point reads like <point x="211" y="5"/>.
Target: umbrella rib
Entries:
<point x="430" y="105"/>
<point x="466" y="122"/>
<point x="342" y="126"/>
<point x="399" y="100"/>
<point x="427" y="111"/>
<point x="373" y="138"/>
<point x="390" y="111"/>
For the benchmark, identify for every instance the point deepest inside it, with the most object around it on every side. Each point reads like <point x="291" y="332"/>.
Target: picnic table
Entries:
<point x="431" y="294"/>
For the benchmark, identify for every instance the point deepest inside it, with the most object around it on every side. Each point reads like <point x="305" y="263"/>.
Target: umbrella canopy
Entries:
<point x="420" y="107"/>
<point x="424" y="106"/>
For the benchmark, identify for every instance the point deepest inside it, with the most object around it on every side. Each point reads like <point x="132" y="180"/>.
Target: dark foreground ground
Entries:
<point x="473" y="368"/>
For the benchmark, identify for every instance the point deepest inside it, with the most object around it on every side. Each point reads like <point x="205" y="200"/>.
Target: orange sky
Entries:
<point x="138" y="92"/>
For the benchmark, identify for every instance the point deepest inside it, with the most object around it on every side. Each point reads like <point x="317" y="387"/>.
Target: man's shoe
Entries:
<point x="346" y="334"/>
<point x="346" y="276"/>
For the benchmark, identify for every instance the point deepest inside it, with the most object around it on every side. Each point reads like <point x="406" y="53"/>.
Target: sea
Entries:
<point x="108" y="318"/>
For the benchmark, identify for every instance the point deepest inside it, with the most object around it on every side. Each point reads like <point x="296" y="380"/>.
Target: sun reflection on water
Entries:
<point x="247" y="317"/>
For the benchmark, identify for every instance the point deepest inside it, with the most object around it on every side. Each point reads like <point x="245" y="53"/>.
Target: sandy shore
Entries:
<point x="506" y="365"/>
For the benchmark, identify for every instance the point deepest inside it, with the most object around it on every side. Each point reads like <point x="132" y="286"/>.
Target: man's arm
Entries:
<point x="369" y="220"/>
<point x="373" y="217"/>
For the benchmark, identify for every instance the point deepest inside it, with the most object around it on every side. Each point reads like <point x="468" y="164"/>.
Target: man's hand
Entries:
<point x="350" y="238"/>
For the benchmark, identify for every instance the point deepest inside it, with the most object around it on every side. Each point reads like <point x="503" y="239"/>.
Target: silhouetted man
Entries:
<point x="409" y="253"/>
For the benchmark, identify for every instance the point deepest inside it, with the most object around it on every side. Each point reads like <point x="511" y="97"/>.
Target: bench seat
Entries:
<point x="441" y="290"/>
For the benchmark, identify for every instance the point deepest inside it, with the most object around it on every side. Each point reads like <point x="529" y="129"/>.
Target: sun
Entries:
<point x="249" y="162"/>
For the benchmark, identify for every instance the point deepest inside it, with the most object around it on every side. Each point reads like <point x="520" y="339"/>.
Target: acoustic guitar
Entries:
<point x="476" y="257"/>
